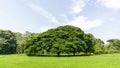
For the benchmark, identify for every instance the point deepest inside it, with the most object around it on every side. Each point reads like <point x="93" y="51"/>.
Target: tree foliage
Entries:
<point x="113" y="46"/>
<point x="62" y="40"/>
<point x="99" y="47"/>
<point x="7" y="42"/>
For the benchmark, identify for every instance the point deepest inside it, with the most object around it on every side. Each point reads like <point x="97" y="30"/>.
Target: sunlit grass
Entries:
<point x="97" y="61"/>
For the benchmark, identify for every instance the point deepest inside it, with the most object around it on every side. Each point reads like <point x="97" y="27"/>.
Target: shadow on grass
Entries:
<point x="58" y="56"/>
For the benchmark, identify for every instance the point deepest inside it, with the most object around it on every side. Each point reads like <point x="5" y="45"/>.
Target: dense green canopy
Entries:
<point x="64" y="39"/>
<point x="7" y="42"/>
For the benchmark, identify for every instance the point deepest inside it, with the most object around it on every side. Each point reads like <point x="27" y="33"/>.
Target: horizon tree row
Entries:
<point x="13" y="42"/>
<point x="67" y="40"/>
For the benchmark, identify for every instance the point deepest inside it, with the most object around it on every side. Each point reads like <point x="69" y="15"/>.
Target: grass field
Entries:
<point x="97" y="61"/>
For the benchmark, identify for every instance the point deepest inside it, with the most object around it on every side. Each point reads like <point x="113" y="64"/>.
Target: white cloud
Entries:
<point x="84" y="23"/>
<point x="115" y="4"/>
<point x="79" y="21"/>
<point x="77" y="6"/>
<point x="44" y="13"/>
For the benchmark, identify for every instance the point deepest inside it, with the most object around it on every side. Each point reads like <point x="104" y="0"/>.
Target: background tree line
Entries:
<point x="65" y="40"/>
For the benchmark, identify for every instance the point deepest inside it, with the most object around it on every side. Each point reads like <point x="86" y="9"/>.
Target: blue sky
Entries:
<point x="99" y="17"/>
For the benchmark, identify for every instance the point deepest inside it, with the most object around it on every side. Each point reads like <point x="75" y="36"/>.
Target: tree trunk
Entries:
<point x="86" y="53"/>
<point x="58" y="54"/>
<point x="74" y="53"/>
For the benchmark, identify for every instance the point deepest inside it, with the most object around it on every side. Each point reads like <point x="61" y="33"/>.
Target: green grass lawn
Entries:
<point x="97" y="61"/>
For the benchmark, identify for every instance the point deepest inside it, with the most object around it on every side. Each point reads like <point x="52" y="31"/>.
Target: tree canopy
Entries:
<point x="7" y="42"/>
<point x="62" y="40"/>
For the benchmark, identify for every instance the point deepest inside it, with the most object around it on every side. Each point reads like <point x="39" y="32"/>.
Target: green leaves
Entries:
<point x="7" y="42"/>
<point x="64" y="39"/>
<point x="114" y="46"/>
